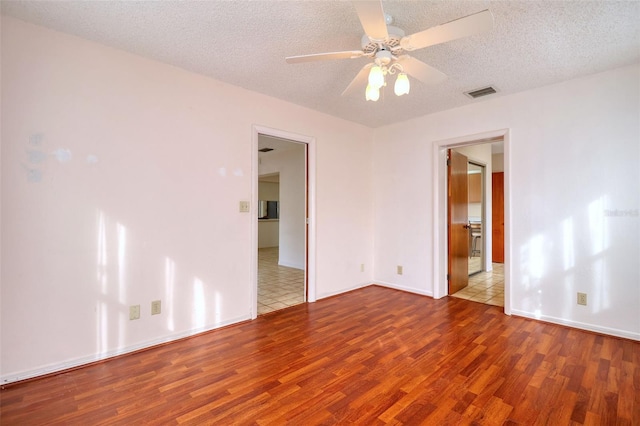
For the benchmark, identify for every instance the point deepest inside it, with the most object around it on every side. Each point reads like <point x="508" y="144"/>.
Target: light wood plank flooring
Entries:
<point x="369" y="357"/>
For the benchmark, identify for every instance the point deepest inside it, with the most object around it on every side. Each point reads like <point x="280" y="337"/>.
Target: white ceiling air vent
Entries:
<point x="478" y="93"/>
<point x="265" y="149"/>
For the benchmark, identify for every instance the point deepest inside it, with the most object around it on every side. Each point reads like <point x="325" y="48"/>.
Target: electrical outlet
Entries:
<point x="244" y="206"/>
<point x="399" y="269"/>
<point x="134" y="312"/>
<point x="155" y="307"/>
<point x="362" y="267"/>
<point x="582" y="299"/>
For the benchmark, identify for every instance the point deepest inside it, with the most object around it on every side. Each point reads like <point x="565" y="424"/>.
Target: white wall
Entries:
<point x="146" y="207"/>
<point x="574" y="171"/>
<point x="291" y="166"/>
<point x="268" y="233"/>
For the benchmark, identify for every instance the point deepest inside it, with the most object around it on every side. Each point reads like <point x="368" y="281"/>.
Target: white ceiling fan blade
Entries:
<point x="372" y="19"/>
<point x="463" y="27"/>
<point x="421" y="71"/>
<point x="347" y="54"/>
<point x="359" y="81"/>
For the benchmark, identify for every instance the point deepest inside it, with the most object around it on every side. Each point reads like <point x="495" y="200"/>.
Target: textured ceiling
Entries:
<point x="533" y="43"/>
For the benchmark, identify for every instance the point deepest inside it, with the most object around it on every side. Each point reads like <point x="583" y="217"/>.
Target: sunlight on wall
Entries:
<point x="599" y="245"/>
<point x="102" y="253"/>
<point x="568" y="244"/>
<point x="169" y="283"/>
<point x="112" y="313"/>
<point x="102" y="314"/>
<point x="114" y="291"/>
<point x="102" y="322"/>
<point x="121" y="232"/>
<point x="533" y="264"/>
<point x="569" y="263"/>
<point x="122" y="256"/>
<point x="596" y="226"/>
<point x="579" y="264"/>
<point x="218" y="307"/>
<point x="198" y="317"/>
<point x="536" y="257"/>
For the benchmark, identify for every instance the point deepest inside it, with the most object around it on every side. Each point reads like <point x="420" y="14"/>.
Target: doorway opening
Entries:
<point x="476" y="231"/>
<point x="282" y="234"/>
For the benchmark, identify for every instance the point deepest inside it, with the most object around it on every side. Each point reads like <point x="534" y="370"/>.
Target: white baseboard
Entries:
<point x="291" y="265"/>
<point x="403" y="288"/>
<point x="381" y="284"/>
<point x="78" y="362"/>
<point x="579" y="325"/>
<point x="335" y="293"/>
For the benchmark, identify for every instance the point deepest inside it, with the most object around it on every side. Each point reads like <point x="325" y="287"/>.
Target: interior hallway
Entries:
<point x="485" y="287"/>
<point x="278" y="286"/>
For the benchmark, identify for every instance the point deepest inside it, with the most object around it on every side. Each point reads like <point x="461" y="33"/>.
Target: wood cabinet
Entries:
<point x="475" y="188"/>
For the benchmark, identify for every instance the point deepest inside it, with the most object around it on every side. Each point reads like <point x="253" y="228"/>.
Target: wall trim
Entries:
<point x="347" y="290"/>
<point x="84" y="361"/>
<point x="403" y="288"/>
<point x="578" y="325"/>
<point x="291" y="265"/>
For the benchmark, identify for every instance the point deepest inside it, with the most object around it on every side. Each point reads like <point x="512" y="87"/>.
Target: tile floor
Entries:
<point x="485" y="287"/>
<point x="278" y="286"/>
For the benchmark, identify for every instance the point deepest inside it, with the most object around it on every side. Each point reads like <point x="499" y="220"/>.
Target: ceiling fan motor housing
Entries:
<point x="392" y="43"/>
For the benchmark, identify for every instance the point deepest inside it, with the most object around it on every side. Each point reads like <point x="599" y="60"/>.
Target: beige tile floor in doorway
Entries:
<point x="278" y="286"/>
<point x="485" y="287"/>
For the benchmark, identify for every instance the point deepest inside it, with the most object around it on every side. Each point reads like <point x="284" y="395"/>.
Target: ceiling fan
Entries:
<point x="388" y="47"/>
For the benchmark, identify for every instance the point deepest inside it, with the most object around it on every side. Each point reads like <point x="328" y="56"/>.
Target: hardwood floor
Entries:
<point x="371" y="356"/>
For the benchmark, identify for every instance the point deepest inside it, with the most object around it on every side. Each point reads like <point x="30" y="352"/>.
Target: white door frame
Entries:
<point x="440" y="248"/>
<point x="486" y="241"/>
<point x="310" y="267"/>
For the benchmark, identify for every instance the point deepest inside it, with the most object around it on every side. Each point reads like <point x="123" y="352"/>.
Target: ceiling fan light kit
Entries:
<point x="372" y="93"/>
<point x="402" y="85"/>
<point x="376" y="81"/>
<point x="388" y="45"/>
<point x="376" y="76"/>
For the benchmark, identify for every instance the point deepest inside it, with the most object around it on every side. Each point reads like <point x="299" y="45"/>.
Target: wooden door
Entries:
<point x="475" y="188"/>
<point x="497" y="217"/>
<point x="458" y="221"/>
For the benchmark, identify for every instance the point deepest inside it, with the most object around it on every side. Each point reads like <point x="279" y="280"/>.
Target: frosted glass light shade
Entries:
<point x="376" y="77"/>
<point x="372" y="93"/>
<point x="402" y="85"/>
